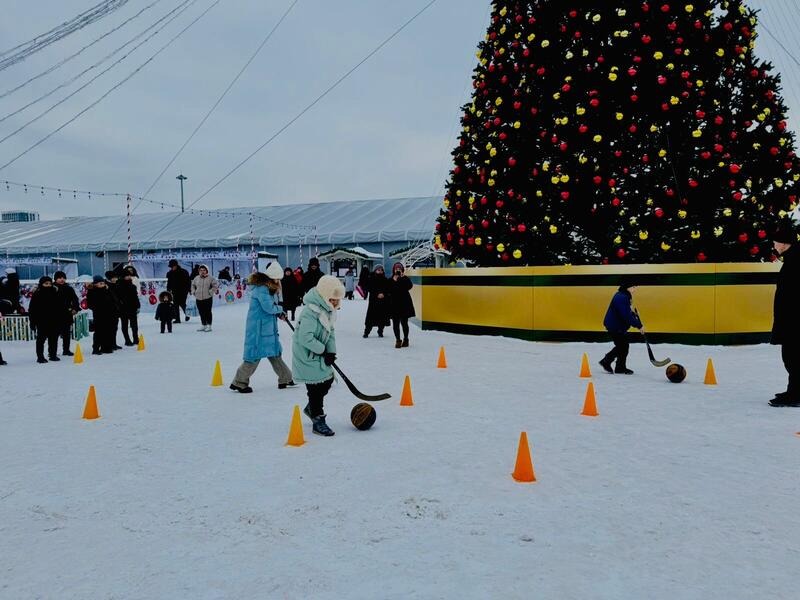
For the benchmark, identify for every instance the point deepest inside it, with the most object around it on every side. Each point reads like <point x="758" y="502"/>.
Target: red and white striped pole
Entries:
<point x="130" y="253"/>
<point x="253" y="257"/>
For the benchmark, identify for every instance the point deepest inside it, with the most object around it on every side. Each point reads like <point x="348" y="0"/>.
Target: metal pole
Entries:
<point x="182" y="178"/>
<point x="130" y="254"/>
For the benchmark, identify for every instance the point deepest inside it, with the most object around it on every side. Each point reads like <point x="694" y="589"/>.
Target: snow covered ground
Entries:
<point x="182" y="490"/>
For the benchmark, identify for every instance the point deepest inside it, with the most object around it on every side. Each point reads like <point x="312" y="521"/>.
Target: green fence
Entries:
<point x="18" y="328"/>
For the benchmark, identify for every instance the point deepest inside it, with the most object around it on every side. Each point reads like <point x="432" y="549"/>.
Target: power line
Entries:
<point x="79" y="52"/>
<point x="22" y="51"/>
<point x="219" y="100"/>
<point x="180" y="9"/>
<point x="315" y="102"/>
<point x="96" y="102"/>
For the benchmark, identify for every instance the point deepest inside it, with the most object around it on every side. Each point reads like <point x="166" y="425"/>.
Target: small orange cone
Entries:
<point x="711" y="377"/>
<point x="78" y="358"/>
<point x="90" y="410"/>
<point x="406" y="398"/>
<point x="140" y="346"/>
<point x="523" y="469"/>
<point x="585" y="372"/>
<point x="296" y="429"/>
<point x="590" y="405"/>
<point x="442" y="362"/>
<point x="216" y="380"/>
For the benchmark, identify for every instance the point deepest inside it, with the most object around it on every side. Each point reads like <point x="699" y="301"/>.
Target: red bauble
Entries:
<point x="734" y="168"/>
<point x="762" y="234"/>
<point x="484" y="200"/>
<point x="737" y="196"/>
<point x="597" y="179"/>
<point x="693" y="183"/>
<point x="563" y="146"/>
<point x="743" y="237"/>
<point x="659" y="212"/>
<point x="705" y="154"/>
<point x="504" y="256"/>
<point x="594" y="102"/>
<point x="719" y="120"/>
<point x="565" y="195"/>
<point x="583" y="129"/>
<point x="754" y="250"/>
<point x="662" y="80"/>
<point x="621" y="253"/>
<point x="612" y="182"/>
<point x="774" y="151"/>
<point x="646" y="39"/>
<point x="485" y="224"/>
<point x="512" y="161"/>
<point x="517" y="105"/>
<point x="521" y="228"/>
<point x="499" y="204"/>
<point x="490" y="247"/>
<point x="701" y="257"/>
<point x="632" y="72"/>
<point x="616" y="201"/>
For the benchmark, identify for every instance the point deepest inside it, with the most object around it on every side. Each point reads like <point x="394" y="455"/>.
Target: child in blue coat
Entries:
<point x="261" y="339"/>
<point x="619" y="318"/>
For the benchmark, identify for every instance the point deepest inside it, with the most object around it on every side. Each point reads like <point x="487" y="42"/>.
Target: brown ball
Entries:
<point x="676" y="373"/>
<point x="363" y="416"/>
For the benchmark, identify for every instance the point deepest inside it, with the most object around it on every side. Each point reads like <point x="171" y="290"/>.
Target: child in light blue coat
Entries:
<point x="261" y="339"/>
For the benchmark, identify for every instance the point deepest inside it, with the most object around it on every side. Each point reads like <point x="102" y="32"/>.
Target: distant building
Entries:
<point x="18" y="216"/>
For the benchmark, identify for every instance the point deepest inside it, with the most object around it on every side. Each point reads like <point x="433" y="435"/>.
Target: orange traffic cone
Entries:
<point x="442" y="362"/>
<point x="711" y="377"/>
<point x="140" y="346"/>
<point x="296" y="429"/>
<point x="78" y="358"/>
<point x="406" y="398"/>
<point x="90" y="409"/>
<point x="585" y="372"/>
<point x="216" y="380"/>
<point x="590" y="405"/>
<point x="523" y="469"/>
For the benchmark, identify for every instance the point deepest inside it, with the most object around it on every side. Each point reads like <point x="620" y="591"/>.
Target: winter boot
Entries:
<point x="621" y="369"/>
<point x="67" y="353"/>
<point x="320" y="427"/>
<point x="606" y="364"/>
<point x="2" y="362"/>
<point x="208" y="328"/>
<point x="380" y="332"/>
<point x="398" y="344"/>
<point x="283" y="386"/>
<point x="366" y="333"/>
<point x="242" y="390"/>
<point x="785" y="399"/>
<point x="405" y="343"/>
<point x="203" y="328"/>
<point x="186" y="319"/>
<point x="54" y="358"/>
<point x="41" y="360"/>
<point x="96" y="352"/>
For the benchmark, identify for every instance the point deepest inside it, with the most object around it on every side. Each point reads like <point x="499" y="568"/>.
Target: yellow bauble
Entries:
<point x="545" y="43"/>
<point x="717" y="231"/>
<point x="517" y="124"/>
<point x="531" y="37"/>
<point x="478" y="241"/>
<point x="682" y="214"/>
<point x="517" y="253"/>
<point x="538" y="193"/>
<point x="598" y="138"/>
<point x="720" y="52"/>
<point x="665" y="246"/>
<point x="596" y="18"/>
<point x="674" y="100"/>
<point x="501" y="247"/>
<point x="643" y="235"/>
<point x="619" y="116"/>
<point x="662" y="153"/>
<point x="493" y="152"/>
<point x="695" y="234"/>
<point x="658" y="55"/>
<point x="697" y="133"/>
<point x="618" y="240"/>
<point x="689" y="8"/>
<point x="727" y="212"/>
<point x="553" y="229"/>
<point x="491" y="182"/>
<point x="554" y="179"/>
<point x="565" y="179"/>
<point x="498" y="101"/>
<point x="612" y="76"/>
<point x="580" y="111"/>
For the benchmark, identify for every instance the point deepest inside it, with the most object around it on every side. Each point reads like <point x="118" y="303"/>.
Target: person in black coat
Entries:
<point x="786" y="326"/>
<point x="290" y="291"/>
<point x="178" y="284"/>
<point x="104" y="316"/>
<point x="619" y="318"/>
<point x="128" y="295"/>
<point x="46" y="317"/>
<point x="225" y="275"/>
<point x="112" y="283"/>
<point x="70" y="307"/>
<point x="378" y="307"/>
<point x="9" y="289"/>
<point x="312" y="276"/>
<point x="401" y="307"/>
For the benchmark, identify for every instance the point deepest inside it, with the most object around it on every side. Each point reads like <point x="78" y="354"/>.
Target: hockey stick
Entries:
<point x="653" y="361"/>
<point x="350" y="386"/>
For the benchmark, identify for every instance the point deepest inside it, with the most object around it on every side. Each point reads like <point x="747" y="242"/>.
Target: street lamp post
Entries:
<point x="182" y="178"/>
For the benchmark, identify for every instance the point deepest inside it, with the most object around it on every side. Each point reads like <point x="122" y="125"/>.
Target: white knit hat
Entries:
<point x="330" y="287"/>
<point x="274" y="271"/>
<point x="10" y="270"/>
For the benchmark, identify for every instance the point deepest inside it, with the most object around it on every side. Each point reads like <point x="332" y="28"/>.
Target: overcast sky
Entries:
<point x="386" y="132"/>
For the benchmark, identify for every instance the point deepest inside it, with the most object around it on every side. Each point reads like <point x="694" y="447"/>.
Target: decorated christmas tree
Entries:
<point x="620" y="131"/>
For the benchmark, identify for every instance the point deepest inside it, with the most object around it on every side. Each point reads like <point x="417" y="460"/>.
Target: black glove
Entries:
<point x="329" y="358"/>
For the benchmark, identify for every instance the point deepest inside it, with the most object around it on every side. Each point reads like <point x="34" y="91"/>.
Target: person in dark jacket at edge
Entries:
<point x="112" y="283"/>
<point x="178" y="284"/>
<point x="291" y="292"/>
<point x="785" y="325"/>
<point x="70" y="307"/>
<point x="45" y="314"/>
<point x="619" y="318"/>
<point x="312" y="276"/>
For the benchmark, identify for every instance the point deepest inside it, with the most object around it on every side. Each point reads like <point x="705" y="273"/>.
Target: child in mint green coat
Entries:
<point x="314" y="347"/>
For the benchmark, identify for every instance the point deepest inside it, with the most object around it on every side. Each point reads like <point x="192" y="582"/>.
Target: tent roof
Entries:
<point x="341" y="223"/>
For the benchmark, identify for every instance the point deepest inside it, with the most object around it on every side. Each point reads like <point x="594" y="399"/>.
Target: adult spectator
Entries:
<point x="178" y="284"/>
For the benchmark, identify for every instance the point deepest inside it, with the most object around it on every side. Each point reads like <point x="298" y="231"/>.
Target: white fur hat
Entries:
<point x="330" y="287"/>
<point x="10" y="270"/>
<point x="275" y="271"/>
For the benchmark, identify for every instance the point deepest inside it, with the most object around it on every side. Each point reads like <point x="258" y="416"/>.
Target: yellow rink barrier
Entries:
<point x="728" y="303"/>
